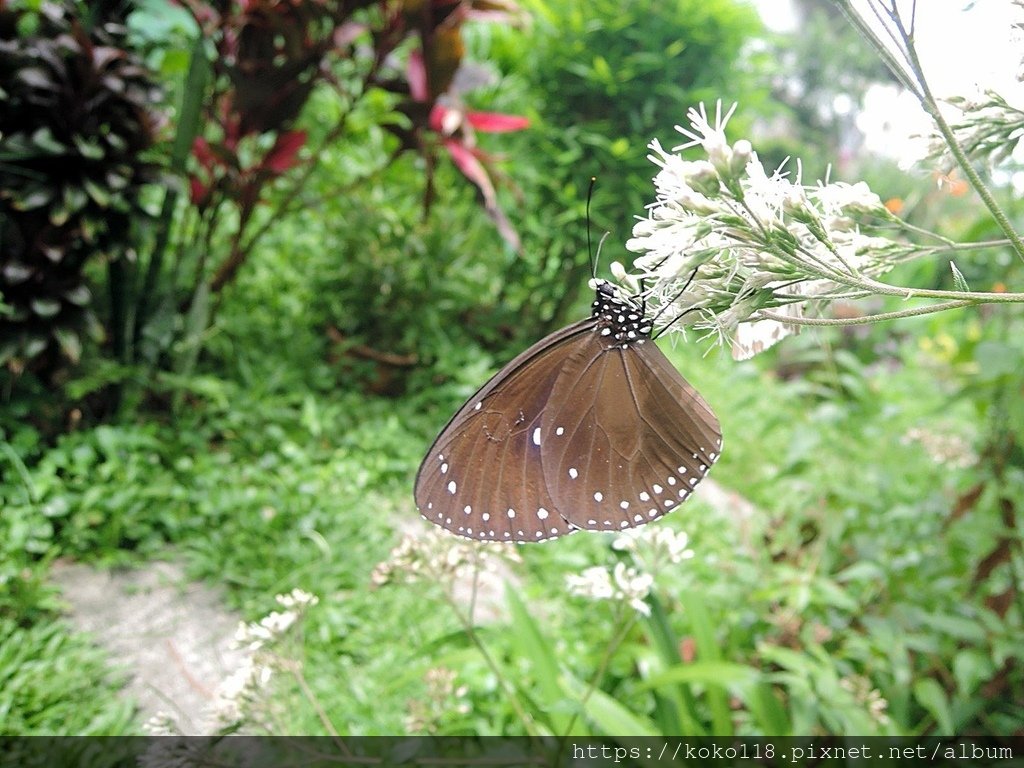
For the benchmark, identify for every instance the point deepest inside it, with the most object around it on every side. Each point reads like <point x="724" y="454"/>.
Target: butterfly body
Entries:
<point x="590" y="428"/>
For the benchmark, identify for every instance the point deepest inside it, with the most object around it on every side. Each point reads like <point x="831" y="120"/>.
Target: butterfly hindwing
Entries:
<point x="631" y="437"/>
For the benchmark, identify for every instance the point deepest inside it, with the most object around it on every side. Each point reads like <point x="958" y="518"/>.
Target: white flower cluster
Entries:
<point x="655" y="547"/>
<point x="724" y="239"/>
<point x="652" y="548"/>
<point x="622" y="584"/>
<point x="241" y="688"/>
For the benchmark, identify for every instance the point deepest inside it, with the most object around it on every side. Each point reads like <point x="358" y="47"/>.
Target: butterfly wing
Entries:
<point x="631" y="438"/>
<point x="482" y="478"/>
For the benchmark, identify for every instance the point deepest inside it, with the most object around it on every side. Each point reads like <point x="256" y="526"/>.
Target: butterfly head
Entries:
<point x="619" y="318"/>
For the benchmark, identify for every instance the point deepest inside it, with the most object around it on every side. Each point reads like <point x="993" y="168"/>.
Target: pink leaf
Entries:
<point x="472" y="169"/>
<point x="436" y="119"/>
<point x="494" y="122"/>
<point x="197" y="191"/>
<point x="282" y="156"/>
<point x="466" y="160"/>
<point x="202" y="153"/>
<point x="348" y="33"/>
<point x="416" y="73"/>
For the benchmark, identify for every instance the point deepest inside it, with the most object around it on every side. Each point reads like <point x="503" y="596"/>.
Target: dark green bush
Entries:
<point x="76" y="118"/>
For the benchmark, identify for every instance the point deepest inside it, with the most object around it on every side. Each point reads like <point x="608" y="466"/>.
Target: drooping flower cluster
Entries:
<point x="441" y="558"/>
<point x="942" y="447"/>
<point x="724" y="239"/>
<point x="442" y="697"/>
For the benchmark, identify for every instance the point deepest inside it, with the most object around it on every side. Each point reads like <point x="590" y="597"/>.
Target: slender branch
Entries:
<point x="931" y="106"/>
<point x="325" y="720"/>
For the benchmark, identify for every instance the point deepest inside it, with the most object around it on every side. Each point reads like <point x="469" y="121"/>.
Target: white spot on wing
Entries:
<point x="542" y="513"/>
<point x="573" y="473"/>
<point x="452" y="487"/>
<point x="511" y="512"/>
<point x="598" y="496"/>
<point x="536" y="436"/>
<point x="657" y="488"/>
<point x="444" y="469"/>
<point x="624" y="504"/>
<point x="560" y="431"/>
<point x="671" y="481"/>
<point x="485" y="516"/>
<point x="467" y="509"/>
<point x="645" y="496"/>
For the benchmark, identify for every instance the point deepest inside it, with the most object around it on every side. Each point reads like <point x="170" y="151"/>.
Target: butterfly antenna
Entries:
<point x="590" y="247"/>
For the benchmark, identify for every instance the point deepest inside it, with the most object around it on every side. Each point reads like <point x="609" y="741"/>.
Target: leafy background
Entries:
<point x="265" y="429"/>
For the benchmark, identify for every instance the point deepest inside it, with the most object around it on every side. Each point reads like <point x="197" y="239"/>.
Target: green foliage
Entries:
<point x="76" y="120"/>
<point x="53" y="682"/>
<point x="602" y="79"/>
<point x="874" y="588"/>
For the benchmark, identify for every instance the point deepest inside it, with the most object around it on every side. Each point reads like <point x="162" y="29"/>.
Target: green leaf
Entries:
<point x="45" y="307"/>
<point x="958" y="278"/>
<point x="610" y="716"/>
<point x="44" y="140"/>
<point x="540" y="650"/>
<point x="929" y="694"/>
<point x="91" y="150"/>
<point x="717" y="673"/>
<point x="708" y="651"/>
<point x="99" y="195"/>
<point x="37" y="198"/>
<point x="680" y="698"/>
<point x="70" y="344"/>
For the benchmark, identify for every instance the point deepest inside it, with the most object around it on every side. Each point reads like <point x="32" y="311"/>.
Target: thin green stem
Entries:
<point x="595" y="681"/>
<point x="766" y="314"/>
<point x="467" y="626"/>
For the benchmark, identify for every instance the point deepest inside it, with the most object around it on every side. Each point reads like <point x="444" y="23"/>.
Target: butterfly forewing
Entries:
<point x="481" y="477"/>
<point x="647" y="437"/>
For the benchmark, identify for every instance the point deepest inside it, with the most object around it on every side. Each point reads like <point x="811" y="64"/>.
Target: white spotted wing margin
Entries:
<point x="482" y="478"/>
<point x="631" y="438"/>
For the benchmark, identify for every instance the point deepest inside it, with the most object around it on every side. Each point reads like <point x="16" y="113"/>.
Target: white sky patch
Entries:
<point x="965" y="48"/>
